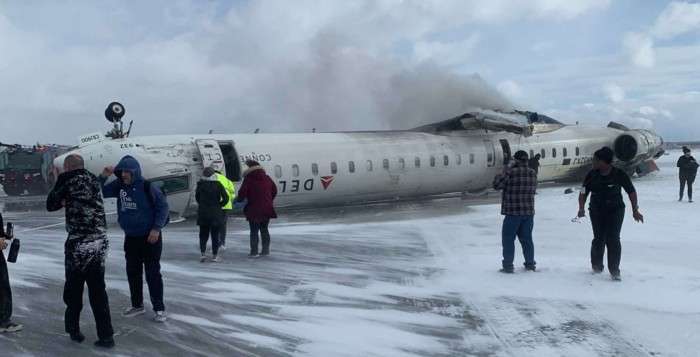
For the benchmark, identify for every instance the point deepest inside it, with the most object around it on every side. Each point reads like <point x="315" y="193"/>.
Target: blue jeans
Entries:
<point x="520" y="226"/>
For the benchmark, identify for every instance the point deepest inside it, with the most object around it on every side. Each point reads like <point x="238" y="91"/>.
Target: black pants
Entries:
<point x="222" y="231"/>
<point x="139" y="255"/>
<point x="204" y="232"/>
<point x="606" y="233"/>
<point x="686" y="180"/>
<point x="256" y="229"/>
<point x="94" y="277"/>
<point x="5" y="292"/>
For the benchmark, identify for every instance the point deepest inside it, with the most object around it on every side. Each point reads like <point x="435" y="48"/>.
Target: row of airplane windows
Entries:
<point x="401" y="162"/>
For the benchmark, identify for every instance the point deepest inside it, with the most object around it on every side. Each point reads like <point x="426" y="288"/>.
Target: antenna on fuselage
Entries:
<point x="256" y="131"/>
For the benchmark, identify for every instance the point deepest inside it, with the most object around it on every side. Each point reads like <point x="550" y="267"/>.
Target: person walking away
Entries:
<point x="230" y="188"/>
<point x="211" y="196"/>
<point x="687" y="169"/>
<point x="6" y="324"/>
<point x="518" y="183"/>
<point x="143" y="212"/>
<point x="259" y="191"/>
<point x="607" y="209"/>
<point x="78" y="191"/>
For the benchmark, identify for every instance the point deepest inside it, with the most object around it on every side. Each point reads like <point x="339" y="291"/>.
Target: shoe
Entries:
<point x="251" y="255"/>
<point x="106" y="343"/>
<point x="690" y="201"/>
<point x="222" y="247"/>
<point x="11" y="327"/>
<point x="203" y="258"/>
<point x="160" y="317"/>
<point x="216" y="259"/>
<point x="77" y="337"/>
<point x="133" y="311"/>
<point x="507" y="270"/>
<point x="615" y="276"/>
<point x="530" y="268"/>
<point x="597" y="269"/>
<point x="265" y="253"/>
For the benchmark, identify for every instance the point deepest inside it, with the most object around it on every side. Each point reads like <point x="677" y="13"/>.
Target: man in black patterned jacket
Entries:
<point x="78" y="191"/>
<point x="518" y="183"/>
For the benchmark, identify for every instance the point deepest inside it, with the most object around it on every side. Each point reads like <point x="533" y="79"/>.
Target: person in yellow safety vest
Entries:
<point x="231" y="191"/>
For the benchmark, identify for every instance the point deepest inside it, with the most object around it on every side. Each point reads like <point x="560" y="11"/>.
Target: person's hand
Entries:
<point x="3" y="243"/>
<point x="108" y="171"/>
<point x="581" y="213"/>
<point x="153" y="236"/>
<point x="638" y="216"/>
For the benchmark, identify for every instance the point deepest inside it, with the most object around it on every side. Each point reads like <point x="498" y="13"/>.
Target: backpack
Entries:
<point x="152" y="201"/>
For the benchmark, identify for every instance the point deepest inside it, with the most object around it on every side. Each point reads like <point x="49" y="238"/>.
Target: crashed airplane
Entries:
<point x="461" y="154"/>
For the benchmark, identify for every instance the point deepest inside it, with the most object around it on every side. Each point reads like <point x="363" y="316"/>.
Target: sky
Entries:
<point x="290" y="66"/>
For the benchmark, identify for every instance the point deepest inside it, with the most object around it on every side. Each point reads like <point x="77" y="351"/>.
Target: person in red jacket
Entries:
<point x="258" y="191"/>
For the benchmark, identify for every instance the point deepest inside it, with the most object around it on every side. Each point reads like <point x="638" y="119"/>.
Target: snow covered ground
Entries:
<point x="393" y="280"/>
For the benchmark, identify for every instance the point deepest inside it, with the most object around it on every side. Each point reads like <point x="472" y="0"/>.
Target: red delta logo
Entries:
<point x="326" y="181"/>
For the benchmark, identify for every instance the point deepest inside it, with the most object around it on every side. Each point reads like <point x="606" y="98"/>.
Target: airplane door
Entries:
<point x="490" y="153"/>
<point x="211" y="154"/>
<point x="506" y="151"/>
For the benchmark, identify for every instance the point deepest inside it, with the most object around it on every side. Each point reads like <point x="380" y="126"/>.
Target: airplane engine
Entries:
<point x="637" y="146"/>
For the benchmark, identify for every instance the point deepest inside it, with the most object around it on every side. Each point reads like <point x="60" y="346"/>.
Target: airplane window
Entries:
<point x="459" y="159"/>
<point x="554" y="152"/>
<point x="543" y="154"/>
<point x="532" y="153"/>
<point x="334" y="168"/>
<point x="471" y="158"/>
<point x="369" y="165"/>
<point x="385" y="164"/>
<point x="417" y="162"/>
<point x="489" y="157"/>
<point x="295" y="170"/>
<point x="402" y="163"/>
<point x="578" y="152"/>
<point x="351" y="166"/>
<point x="170" y="185"/>
<point x="432" y="161"/>
<point x="278" y="171"/>
<point x="445" y="160"/>
<point x="564" y="152"/>
<point x="314" y="169"/>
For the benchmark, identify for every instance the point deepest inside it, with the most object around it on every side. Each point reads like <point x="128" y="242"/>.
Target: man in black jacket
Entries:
<point x="687" y="169"/>
<point x="78" y="191"/>
<point x="5" y="292"/>
<point x="211" y="198"/>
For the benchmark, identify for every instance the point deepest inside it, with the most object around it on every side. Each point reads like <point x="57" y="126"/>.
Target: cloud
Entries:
<point x="614" y="93"/>
<point x="676" y="19"/>
<point x="640" y="49"/>
<point x="446" y="54"/>
<point x="511" y="89"/>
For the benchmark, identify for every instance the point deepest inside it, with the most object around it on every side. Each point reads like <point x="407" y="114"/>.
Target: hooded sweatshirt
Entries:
<point x="137" y="216"/>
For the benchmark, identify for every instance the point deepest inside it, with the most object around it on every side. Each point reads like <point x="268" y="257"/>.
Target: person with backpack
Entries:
<point x="211" y="197"/>
<point x="143" y="212"/>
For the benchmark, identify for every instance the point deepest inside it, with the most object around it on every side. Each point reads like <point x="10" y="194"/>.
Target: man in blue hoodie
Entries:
<point x="143" y="212"/>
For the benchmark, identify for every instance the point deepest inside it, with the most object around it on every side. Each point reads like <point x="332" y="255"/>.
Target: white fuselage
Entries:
<point x="317" y="169"/>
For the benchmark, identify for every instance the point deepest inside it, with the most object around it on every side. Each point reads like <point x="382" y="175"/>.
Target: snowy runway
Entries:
<point x="406" y="279"/>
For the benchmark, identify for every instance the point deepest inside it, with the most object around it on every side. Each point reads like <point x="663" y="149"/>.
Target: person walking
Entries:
<point x="687" y="170"/>
<point x="259" y="192"/>
<point x="518" y="183"/>
<point x="607" y="209"/>
<point x="6" y="324"/>
<point x="143" y="212"/>
<point x="78" y="191"/>
<point x="211" y="196"/>
<point x="230" y="188"/>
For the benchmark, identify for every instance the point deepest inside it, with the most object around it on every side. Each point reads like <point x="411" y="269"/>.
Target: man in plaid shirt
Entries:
<point x="519" y="183"/>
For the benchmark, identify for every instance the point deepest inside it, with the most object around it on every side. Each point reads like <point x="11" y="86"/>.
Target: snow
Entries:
<point x="407" y="279"/>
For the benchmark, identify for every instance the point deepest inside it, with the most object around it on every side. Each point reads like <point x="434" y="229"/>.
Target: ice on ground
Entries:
<point x="406" y="279"/>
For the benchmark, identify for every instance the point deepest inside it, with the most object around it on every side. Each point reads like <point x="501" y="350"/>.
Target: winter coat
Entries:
<point x="260" y="191"/>
<point x="534" y="164"/>
<point x="138" y="214"/>
<point x="687" y="167"/>
<point x="211" y="197"/>
<point x="230" y="188"/>
<point x="87" y="241"/>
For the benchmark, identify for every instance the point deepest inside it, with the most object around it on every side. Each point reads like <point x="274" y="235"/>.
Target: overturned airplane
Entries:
<point x="461" y="154"/>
